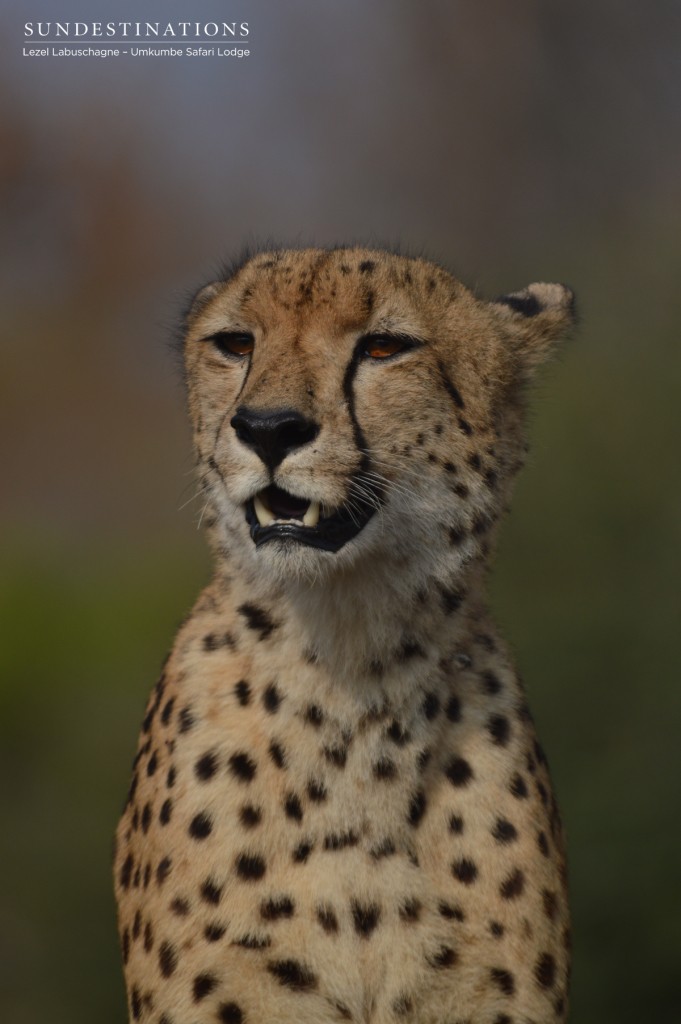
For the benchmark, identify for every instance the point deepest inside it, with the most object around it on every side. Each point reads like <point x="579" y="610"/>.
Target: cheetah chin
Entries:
<point x="274" y="514"/>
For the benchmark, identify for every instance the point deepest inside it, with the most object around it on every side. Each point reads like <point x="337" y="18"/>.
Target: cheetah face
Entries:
<point x="353" y="405"/>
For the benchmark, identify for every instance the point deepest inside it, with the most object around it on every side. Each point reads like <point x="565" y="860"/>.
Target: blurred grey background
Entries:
<point x="514" y="142"/>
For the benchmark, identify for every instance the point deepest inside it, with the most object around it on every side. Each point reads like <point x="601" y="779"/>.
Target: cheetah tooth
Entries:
<point x="311" y="517"/>
<point x="264" y="515"/>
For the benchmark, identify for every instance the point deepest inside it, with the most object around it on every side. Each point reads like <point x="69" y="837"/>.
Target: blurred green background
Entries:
<point x="516" y="142"/>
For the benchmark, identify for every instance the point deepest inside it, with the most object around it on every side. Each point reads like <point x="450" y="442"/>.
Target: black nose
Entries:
<point x="273" y="434"/>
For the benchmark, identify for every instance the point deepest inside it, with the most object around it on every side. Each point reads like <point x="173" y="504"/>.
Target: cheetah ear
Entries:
<point x="535" y="319"/>
<point x="201" y="299"/>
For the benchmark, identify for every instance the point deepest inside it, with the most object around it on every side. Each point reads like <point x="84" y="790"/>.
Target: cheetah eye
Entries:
<point x="383" y="346"/>
<point x="235" y="344"/>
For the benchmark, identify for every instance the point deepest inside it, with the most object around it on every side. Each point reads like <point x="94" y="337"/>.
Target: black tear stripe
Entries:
<point x="357" y="432"/>
<point x="450" y="387"/>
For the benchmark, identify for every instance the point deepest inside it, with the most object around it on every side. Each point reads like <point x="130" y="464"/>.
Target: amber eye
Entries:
<point x="233" y="343"/>
<point x="382" y="346"/>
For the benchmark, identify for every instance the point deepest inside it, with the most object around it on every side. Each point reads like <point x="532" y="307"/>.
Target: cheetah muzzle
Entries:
<point x="339" y="809"/>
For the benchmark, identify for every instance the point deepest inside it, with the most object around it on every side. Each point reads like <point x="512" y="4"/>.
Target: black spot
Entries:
<point x="423" y="760"/>
<point x="257" y="619"/>
<point x="200" y="826"/>
<point x="253" y="942"/>
<point x="450" y="388"/>
<point x="327" y="918"/>
<point x="490" y="683"/>
<point x="504" y="980"/>
<point x="167" y="711"/>
<point x="410" y="649"/>
<point x="367" y="266"/>
<point x="456" y="824"/>
<point x="456" y="535"/>
<point x="336" y="756"/>
<point x="402" y="1006"/>
<point x="459" y="772"/>
<point x="126" y="871"/>
<point x="518" y="787"/>
<point x="496" y="929"/>
<point x="453" y="709"/>
<point x="272" y="699"/>
<point x="499" y="729"/>
<point x="210" y="891"/>
<point x="365" y="917"/>
<point x="206" y="766"/>
<point x="502" y="1018"/>
<point x="146" y="817"/>
<point x="461" y="491"/>
<point x="211" y="642"/>
<point x="512" y="886"/>
<point x="451" y="599"/>
<point x="293" y="807"/>
<point x="385" y="769"/>
<point x="444" y="957"/>
<point x="135" y="1003"/>
<point x="137" y="925"/>
<point x="410" y="910"/>
<point x="465" y="426"/>
<point x="449" y="912"/>
<point x="465" y="870"/>
<point x="179" y="907"/>
<point x="243" y="693"/>
<point x="276" y="908"/>
<point x="340" y="840"/>
<point x="250" y="866"/>
<point x="545" y="971"/>
<point x="293" y="974"/>
<point x="302" y="852"/>
<point x="543" y="843"/>
<point x="165" y="812"/>
<point x="186" y="720"/>
<point x="276" y="752"/>
<point x="398" y="734"/>
<point x="417" y="808"/>
<point x="250" y="816"/>
<point x="163" y="870"/>
<point x="386" y="848"/>
<point x="431" y="706"/>
<point x="314" y="715"/>
<point x="550" y="904"/>
<point x="230" y="1013"/>
<point x="171" y="777"/>
<point x="316" y="792"/>
<point x="214" y="932"/>
<point x="242" y="767"/>
<point x="202" y="986"/>
<point x="474" y="461"/>
<point x="167" y="959"/>
<point x="504" y="831"/>
<point x="491" y="479"/>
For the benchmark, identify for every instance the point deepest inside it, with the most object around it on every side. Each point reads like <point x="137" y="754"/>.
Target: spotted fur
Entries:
<point x="339" y="809"/>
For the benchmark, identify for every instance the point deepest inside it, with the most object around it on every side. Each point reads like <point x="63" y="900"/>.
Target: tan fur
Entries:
<point x="381" y="841"/>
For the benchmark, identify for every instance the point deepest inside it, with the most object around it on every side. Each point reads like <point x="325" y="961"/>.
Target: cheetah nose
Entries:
<point x="273" y="434"/>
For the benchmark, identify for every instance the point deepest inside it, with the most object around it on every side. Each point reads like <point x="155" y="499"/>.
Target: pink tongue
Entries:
<point x="285" y="506"/>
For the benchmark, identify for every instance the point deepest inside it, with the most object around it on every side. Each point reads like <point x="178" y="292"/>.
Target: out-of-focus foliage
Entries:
<point x="515" y="142"/>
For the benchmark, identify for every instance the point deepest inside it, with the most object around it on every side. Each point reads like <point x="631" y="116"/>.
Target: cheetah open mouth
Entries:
<point x="274" y="514"/>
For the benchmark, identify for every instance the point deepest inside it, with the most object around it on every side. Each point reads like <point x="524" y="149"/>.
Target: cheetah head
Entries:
<point x="355" y="409"/>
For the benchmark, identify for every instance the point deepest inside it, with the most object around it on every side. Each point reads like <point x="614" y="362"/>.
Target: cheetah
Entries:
<point x="339" y="809"/>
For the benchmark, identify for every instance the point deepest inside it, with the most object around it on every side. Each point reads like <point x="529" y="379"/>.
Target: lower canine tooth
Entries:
<point x="264" y="515"/>
<point x="311" y="517"/>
